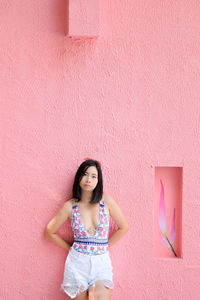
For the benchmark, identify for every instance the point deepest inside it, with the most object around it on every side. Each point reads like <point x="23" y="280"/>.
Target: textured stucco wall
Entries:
<point x="129" y="99"/>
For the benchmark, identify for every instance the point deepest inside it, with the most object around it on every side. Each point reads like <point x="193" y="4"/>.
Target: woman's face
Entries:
<point x="90" y="179"/>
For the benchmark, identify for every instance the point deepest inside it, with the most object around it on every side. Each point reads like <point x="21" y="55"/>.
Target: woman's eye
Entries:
<point x="85" y="174"/>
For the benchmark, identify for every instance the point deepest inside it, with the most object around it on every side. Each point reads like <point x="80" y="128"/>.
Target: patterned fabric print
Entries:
<point x="83" y="242"/>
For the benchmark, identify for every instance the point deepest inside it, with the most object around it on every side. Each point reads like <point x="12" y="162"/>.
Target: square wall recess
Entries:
<point x="167" y="233"/>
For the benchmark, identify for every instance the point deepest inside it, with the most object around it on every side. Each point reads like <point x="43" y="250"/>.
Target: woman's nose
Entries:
<point x="88" y="179"/>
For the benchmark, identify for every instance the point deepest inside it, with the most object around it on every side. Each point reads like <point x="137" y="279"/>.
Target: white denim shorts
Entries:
<point x="82" y="270"/>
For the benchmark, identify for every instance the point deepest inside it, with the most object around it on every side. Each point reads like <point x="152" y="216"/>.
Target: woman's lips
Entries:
<point x="87" y="185"/>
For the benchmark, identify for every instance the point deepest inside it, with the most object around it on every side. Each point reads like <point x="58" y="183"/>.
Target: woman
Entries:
<point x="88" y="268"/>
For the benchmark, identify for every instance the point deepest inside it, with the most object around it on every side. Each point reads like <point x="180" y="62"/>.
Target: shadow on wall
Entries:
<point x="60" y="16"/>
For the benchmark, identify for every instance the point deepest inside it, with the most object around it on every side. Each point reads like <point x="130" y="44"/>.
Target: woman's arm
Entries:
<point x="117" y="215"/>
<point x="52" y="227"/>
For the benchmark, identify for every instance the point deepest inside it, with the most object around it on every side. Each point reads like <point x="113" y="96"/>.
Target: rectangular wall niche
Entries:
<point x="168" y="212"/>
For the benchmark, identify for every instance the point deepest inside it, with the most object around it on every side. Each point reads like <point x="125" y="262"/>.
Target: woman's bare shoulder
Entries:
<point x="108" y="199"/>
<point x="69" y="202"/>
<point x="67" y="206"/>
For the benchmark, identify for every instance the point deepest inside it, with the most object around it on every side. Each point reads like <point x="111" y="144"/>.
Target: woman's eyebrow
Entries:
<point x="92" y="173"/>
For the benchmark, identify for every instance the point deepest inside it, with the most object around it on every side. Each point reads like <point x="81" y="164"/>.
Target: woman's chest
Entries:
<point x="90" y="216"/>
<point x="90" y="221"/>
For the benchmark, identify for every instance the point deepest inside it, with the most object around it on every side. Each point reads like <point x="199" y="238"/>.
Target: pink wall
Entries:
<point x="129" y="99"/>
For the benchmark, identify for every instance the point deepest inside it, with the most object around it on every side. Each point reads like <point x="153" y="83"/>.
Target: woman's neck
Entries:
<point x="86" y="196"/>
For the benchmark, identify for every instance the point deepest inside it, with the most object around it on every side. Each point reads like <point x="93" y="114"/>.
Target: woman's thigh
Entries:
<point x="99" y="292"/>
<point x="81" y="296"/>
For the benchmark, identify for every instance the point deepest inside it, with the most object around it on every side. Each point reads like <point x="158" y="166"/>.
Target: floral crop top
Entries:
<point x="83" y="241"/>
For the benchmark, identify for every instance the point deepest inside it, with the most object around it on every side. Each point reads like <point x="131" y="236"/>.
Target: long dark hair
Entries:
<point x="98" y="191"/>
